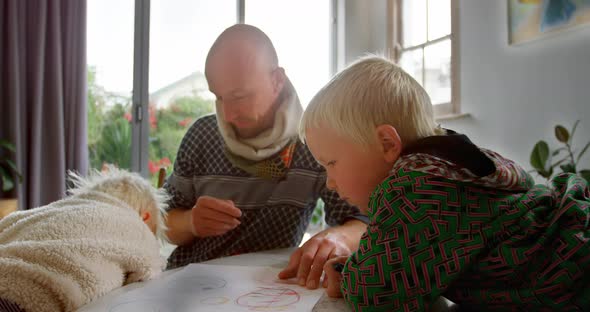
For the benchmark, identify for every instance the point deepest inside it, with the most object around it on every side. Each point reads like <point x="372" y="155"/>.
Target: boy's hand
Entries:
<point x="211" y="216"/>
<point x="333" y="278"/>
<point x="307" y="262"/>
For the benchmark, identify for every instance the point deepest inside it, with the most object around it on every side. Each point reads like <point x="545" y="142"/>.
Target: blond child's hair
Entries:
<point x="370" y="92"/>
<point x="130" y="188"/>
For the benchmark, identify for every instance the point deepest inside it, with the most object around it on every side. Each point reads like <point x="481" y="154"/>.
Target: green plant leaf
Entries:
<point x="13" y="167"/>
<point x="539" y="156"/>
<point x="315" y="219"/>
<point x="583" y="151"/>
<point x="557" y="151"/>
<point x="558" y="163"/>
<point x="7" y="183"/>
<point x="574" y="128"/>
<point x="562" y="134"/>
<point x="585" y="174"/>
<point x="545" y="173"/>
<point x="7" y="145"/>
<point x="570" y="168"/>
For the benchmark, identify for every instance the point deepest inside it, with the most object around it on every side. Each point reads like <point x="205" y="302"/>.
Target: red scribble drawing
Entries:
<point x="268" y="298"/>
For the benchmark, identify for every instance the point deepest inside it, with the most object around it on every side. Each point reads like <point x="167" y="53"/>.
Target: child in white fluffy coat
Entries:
<point x="61" y="256"/>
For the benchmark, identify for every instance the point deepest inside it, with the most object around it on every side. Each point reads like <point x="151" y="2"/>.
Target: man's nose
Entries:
<point x="229" y="114"/>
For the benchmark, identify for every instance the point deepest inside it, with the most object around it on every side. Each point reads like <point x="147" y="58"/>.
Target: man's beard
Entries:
<point x="246" y="132"/>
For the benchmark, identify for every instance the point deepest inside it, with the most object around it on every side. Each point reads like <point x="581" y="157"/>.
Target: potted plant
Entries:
<point x="542" y="157"/>
<point x="9" y="176"/>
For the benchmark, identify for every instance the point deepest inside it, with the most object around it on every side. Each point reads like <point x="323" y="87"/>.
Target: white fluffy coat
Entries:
<point x="66" y="254"/>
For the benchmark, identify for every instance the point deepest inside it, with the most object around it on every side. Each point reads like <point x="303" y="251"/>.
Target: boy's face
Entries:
<point x="352" y="171"/>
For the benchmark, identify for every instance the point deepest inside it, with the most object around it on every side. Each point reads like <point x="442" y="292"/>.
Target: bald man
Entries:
<point x="242" y="180"/>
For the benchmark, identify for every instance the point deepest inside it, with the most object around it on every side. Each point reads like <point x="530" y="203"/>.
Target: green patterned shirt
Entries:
<point x="487" y="243"/>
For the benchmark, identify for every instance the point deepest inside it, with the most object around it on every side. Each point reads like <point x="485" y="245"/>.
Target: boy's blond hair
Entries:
<point x="370" y="92"/>
<point x="130" y="188"/>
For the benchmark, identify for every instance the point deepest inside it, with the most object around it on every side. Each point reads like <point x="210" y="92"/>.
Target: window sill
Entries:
<point x="452" y="116"/>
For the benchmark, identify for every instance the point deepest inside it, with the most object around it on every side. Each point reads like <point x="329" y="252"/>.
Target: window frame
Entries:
<point x="396" y="48"/>
<point x="336" y="31"/>
<point x="140" y="130"/>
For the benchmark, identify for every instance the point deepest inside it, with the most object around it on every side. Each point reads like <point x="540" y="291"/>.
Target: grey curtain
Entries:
<point x="43" y="93"/>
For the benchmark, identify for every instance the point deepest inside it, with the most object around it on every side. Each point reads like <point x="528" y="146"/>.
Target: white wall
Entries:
<point x="515" y="94"/>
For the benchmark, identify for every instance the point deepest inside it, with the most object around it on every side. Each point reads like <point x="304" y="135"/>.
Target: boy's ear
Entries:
<point x="390" y="142"/>
<point x="146" y="216"/>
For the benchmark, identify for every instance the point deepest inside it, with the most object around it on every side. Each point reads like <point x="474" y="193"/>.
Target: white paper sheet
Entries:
<point x="206" y="287"/>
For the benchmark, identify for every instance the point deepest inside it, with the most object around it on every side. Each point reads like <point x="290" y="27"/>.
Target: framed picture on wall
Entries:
<point x="532" y="19"/>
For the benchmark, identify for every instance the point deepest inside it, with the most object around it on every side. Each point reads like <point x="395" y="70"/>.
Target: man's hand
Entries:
<point x="212" y="217"/>
<point x="333" y="278"/>
<point x="208" y="217"/>
<point x="307" y="262"/>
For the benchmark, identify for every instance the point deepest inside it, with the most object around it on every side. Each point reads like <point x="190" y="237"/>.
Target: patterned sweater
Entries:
<point x="275" y="212"/>
<point x="488" y="241"/>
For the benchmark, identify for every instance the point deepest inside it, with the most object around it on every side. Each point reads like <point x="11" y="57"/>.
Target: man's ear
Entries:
<point x="391" y="143"/>
<point x="278" y="79"/>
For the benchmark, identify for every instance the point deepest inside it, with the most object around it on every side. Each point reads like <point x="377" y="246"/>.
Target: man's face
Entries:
<point x="245" y="92"/>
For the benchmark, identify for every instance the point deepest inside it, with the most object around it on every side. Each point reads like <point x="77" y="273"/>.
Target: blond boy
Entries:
<point x="446" y="217"/>
<point x="61" y="256"/>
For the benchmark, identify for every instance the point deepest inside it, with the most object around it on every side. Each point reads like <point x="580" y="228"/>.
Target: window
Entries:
<point x="180" y="37"/>
<point x="423" y="40"/>
<point x="110" y="82"/>
<point x="145" y="79"/>
<point x="303" y="47"/>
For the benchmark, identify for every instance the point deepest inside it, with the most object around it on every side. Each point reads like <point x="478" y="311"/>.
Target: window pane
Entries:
<point x="181" y="33"/>
<point x="411" y="62"/>
<point x="110" y="81"/>
<point x="414" y="22"/>
<point x="437" y="59"/>
<point x="300" y="31"/>
<point x="439" y="18"/>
